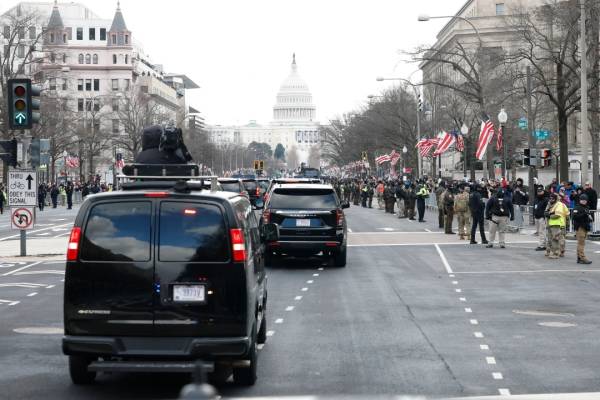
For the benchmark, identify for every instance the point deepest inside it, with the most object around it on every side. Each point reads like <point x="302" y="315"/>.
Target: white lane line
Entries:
<point x="62" y="280"/>
<point x="279" y="321"/>
<point x="529" y="271"/>
<point x="315" y="274"/>
<point x="497" y="375"/>
<point x="484" y="347"/>
<point x="6" y="301"/>
<point x="444" y="261"/>
<point x="304" y="289"/>
<point x="504" y="392"/>
<point x="474" y="322"/>
<point x="349" y="230"/>
<point x="490" y="360"/>
<point x="50" y="286"/>
<point x="417" y="244"/>
<point x="260" y="346"/>
<point x="46" y="271"/>
<point x="427" y="230"/>
<point x="32" y="294"/>
<point x="58" y="219"/>
<point x="320" y="269"/>
<point x="468" y="310"/>
<point x="289" y="308"/>
<point x="478" y="334"/>
<point x="462" y="298"/>
<point x="270" y="333"/>
<point x="451" y="275"/>
<point x="14" y="303"/>
<point x="297" y="298"/>
<point x="62" y="234"/>
<point x="455" y="282"/>
<point x="31" y="232"/>
<point x="458" y="290"/>
<point x="311" y="281"/>
<point x="25" y="285"/>
<point x="20" y="269"/>
<point x="43" y="234"/>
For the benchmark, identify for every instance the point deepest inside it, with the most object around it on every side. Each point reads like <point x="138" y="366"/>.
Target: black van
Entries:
<point x="161" y="275"/>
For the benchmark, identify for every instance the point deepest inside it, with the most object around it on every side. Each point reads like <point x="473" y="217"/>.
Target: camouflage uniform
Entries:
<point x="461" y="209"/>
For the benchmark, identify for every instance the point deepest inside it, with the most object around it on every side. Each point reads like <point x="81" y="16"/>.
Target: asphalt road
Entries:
<point x="421" y="314"/>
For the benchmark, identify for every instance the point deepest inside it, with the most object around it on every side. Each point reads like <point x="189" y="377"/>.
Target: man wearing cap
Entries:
<point x="499" y="209"/>
<point x="582" y="222"/>
<point x="556" y="216"/>
<point x="539" y="208"/>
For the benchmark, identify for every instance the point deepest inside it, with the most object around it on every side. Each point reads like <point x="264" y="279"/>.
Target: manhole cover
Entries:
<point x="557" y="324"/>
<point x="539" y="313"/>
<point x="40" y="330"/>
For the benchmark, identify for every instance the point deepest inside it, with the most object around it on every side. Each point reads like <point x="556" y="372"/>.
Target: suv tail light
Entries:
<point x="73" y="246"/>
<point x="238" y="243"/>
<point x="339" y="218"/>
<point x="266" y="217"/>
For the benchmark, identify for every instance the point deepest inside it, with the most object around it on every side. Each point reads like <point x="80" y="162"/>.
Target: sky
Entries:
<point x="239" y="51"/>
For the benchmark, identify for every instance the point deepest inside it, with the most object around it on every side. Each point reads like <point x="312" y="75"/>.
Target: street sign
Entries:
<point x="22" y="187"/>
<point x="21" y="218"/>
<point x="542" y="134"/>
<point x="523" y="123"/>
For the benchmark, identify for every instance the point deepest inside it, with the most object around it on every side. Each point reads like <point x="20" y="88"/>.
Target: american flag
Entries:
<point x="382" y="158"/>
<point x="485" y="137"/>
<point x="499" y="139"/>
<point x="394" y="157"/>
<point x="425" y="146"/>
<point x="119" y="163"/>
<point x="446" y="141"/>
<point x="72" y="162"/>
<point x="460" y="141"/>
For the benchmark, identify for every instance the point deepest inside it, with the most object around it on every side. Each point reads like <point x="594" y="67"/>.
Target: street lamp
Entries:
<point x="464" y="130"/>
<point x="425" y="18"/>
<point x="65" y="154"/>
<point x="404" y="151"/>
<point x="502" y="118"/>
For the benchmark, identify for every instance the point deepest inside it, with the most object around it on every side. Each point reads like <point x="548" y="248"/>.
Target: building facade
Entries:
<point x="294" y="124"/>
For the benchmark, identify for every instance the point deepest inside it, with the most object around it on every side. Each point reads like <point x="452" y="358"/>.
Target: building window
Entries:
<point x="115" y="84"/>
<point x="79" y="104"/>
<point x="69" y="33"/>
<point x="97" y="105"/>
<point x="88" y="85"/>
<point x="126" y="84"/>
<point x="52" y="57"/>
<point x="79" y="33"/>
<point x="21" y="51"/>
<point x="88" y="59"/>
<point x="114" y="58"/>
<point x="52" y="38"/>
<point x="65" y="84"/>
<point x="96" y="85"/>
<point x="6" y="32"/>
<point x="95" y="59"/>
<point x="32" y="32"/>
<point x="97" y="126"/>
<point x="80" y="85"/>
<point x="64" y="38"/>
<point x="115" y="125"/>
<point x="126" y="39"/>
<point x="21" y="32"/>
<point x="64" y="58"/>
<point x="144" y="89"/>
<point x="115" y="105"/>
<point x="500" y="9"/>
<point x="126" y="59"/>
<point x="52" y="84"/>
<point x="102" y="33"/>
<point x="80" y="59"/>
<point x="92" y="33"/>
<point x="114" y="39"/>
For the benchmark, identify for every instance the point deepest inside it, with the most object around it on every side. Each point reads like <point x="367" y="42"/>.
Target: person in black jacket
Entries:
<point x="592" y="196"/>
<point x="539" y="206"/>
<point x="498" y="210"/>
<point x="582" y="223"/>
<point x="477" y="207"/>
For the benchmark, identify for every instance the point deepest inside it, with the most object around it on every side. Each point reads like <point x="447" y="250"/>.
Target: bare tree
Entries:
<point x="92" y="131"/>
<point x="314" y="157"/>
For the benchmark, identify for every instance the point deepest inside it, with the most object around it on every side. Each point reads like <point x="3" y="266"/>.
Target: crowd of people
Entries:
<point x="555" y="207"/>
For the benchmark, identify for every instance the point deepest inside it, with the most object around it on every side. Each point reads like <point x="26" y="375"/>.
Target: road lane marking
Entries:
<point x="468" y="310"/>
<point x="484" y="347"/>
<point x="43" y="234"/>
<point x="349" y="230"/>
<point x="474" y="322"/>
<point x="50" y="286"/>
<point x="20" y="269"/>
<point x="14" y="303"/>
<point x="443" y="257"/>
<point x="527" y="271"/>
<point x="260" y="346"/>
<point x="315" y="274"/>
<point x="46" y="271"/>
<point x="289" y="308"/>
<point x="490" y="360"/>
<point x="458" y="290"/>
<point x="9" y="302"/>
<point x="504" y="392"/>
<point x="427" y="230"/>
<point x="455" y="282"/>
<point x="297" y="298"/>
<point x="32" y="294"/>
<point x="478" y="335"/>
<point x="320" y="269"/>
<point x="451" y="275"/>
<point x="270" y="333"/>
<point x="279" y="321"/>
<point x="417" y="244"/>
<point x="311" y="281"/>
<point x="462" y="298"/>
<point x="497" y="375"/>
<point x="23" y="285"/>
<point x="304" y="289"/>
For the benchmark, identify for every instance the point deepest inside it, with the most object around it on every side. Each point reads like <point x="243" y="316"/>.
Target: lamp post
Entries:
<point x="65" y="154"/>
<point x="464" y="130"/>
<point x="502" y="118"/>
<point x="404" y="151"/>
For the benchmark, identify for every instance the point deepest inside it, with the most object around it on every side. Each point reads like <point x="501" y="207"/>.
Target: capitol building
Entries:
<point x="293" y="125"/>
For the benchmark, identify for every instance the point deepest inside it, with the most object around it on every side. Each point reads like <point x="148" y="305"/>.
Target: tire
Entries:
<point x="339" y="259"/>
<point x="261" y="338"/>
<point x="78" y="369"/>
<point x="247" y="376"/>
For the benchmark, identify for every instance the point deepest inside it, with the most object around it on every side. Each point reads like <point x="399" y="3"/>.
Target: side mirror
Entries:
<point x="345" y="204"/>
<point x="269" y="232"/>
<point x="259" y="204"/>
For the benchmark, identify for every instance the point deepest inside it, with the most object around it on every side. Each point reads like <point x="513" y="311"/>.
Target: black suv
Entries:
<point x="310" y="219"/>
<point x="161" y="275"/>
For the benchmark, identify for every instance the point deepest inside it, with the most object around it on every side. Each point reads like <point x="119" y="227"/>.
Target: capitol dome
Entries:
<point x="294" y="100"/>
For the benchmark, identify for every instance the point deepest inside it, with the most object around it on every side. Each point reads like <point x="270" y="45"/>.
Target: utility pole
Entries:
<point x="584" y="97"/>
<point x="531" y="143"/>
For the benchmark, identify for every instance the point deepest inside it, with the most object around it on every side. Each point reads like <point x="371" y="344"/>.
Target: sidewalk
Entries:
<point x="38" y="249"/>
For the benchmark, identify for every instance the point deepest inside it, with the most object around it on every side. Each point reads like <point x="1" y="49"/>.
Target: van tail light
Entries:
<point x="238" y="243"/>
<point x="156" y="194"/>
<point x="73" y="246"/>
<point x="339" y="218"/>
<point x="266" y="217"/>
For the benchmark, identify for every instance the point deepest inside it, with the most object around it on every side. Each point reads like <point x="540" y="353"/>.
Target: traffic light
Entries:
<point x="256" y="164"/>
<point x="8" y="151"/>
<point x="23" y="104"/>
<point x="261" y="165"/>
<point x="527" y="157"/>
<point x="34" y="152"/>
<point x="420" y="102"/>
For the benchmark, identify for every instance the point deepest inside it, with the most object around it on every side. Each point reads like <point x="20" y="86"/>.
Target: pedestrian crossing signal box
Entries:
<point x="259" y="165"/>
<point x="530" y="156"/>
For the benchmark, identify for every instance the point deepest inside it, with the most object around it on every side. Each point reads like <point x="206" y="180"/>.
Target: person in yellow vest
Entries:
<point x="557" y="220"/>
<point x="461" y="210"/>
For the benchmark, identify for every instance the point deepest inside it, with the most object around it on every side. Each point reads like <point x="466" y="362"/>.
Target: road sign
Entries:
<point x="22" y="187"/>
<point x="21" y="218"/>
<point x="523" y="123"/>
<point x="542" y="134"/>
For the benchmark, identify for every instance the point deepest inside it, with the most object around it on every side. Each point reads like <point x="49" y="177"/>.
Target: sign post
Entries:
<point x="22" y="198"/>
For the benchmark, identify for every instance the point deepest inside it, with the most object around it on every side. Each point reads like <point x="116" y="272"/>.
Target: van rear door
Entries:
<point x="109" y="288"/>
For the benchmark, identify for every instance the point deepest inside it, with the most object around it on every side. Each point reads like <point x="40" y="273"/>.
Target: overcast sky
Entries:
<point x="239" y="51"/>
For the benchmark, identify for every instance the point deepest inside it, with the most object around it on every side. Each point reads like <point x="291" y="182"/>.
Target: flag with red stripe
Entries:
<point x="499" y="139"/>
<point x="425" y="146"/>
<point x="382" y="158"/>
<point x="485" y="137"/>
<point x="446" y="141"/>
<point x="394" y="157"/>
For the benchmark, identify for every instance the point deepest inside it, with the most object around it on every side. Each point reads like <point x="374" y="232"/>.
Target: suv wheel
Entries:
<point x="262" y="332"/>
<point x="78" y="369"/>
<point x="339" y="258"/>
<point x="247" y="376"/>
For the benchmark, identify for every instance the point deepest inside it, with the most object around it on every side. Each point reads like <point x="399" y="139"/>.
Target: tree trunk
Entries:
<point x="595" y="94"/>
<point x="563" y="145"/>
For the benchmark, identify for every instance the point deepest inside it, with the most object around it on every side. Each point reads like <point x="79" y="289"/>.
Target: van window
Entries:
<point x="118" y="232"/>
<point x="192" y="232"/>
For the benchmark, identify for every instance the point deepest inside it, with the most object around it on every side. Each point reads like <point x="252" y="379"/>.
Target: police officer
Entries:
<point x="582" y="222"/>
<point x="439" y="191"/>
<point x="556" y="217"/>
<point x="422" y="194"/>
<point x="448" y="206"/>
<point x="477" y="208"/>
<point x="461" y="209"/>
<point x="409" y="200"/>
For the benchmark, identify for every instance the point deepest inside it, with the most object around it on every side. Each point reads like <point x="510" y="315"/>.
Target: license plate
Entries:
<point x="303" y="222"/>
<point x="187" y="293"/>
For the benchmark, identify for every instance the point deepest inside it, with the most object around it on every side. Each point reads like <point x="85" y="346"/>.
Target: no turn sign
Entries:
<point x="21" y="218"/>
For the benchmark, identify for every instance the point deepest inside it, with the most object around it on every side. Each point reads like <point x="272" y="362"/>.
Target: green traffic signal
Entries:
<point x="22" y="103"/>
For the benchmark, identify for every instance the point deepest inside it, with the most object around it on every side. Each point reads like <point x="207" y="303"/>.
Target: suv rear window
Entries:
<point x="231" y="186"/>
<point x="118" y="232"/>
<point x="250" y="186"/>
<point x="192" y="232"/>
<point x="303" y="198"/>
